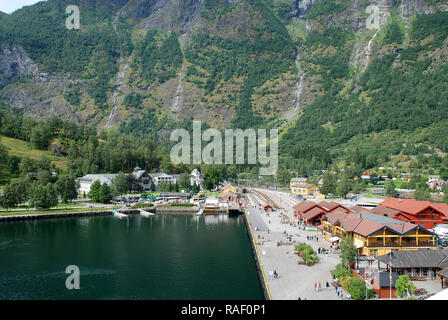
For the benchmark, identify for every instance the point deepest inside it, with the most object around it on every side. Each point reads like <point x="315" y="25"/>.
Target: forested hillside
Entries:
<point x="342" y="94"/>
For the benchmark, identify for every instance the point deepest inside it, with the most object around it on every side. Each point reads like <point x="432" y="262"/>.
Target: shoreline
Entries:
<point x="256" y="257"/>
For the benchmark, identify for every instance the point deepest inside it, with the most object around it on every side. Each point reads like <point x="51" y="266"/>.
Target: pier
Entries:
<point x="272" y="251"/>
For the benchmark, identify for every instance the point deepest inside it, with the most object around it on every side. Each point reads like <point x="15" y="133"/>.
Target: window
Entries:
<point x="409" y="271"/>
<point x="425" y="272"/>
<point x="417" y="271"/>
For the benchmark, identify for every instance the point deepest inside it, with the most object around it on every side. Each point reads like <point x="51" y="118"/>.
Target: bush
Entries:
<point x="178" y="205"/>
<point x="307" y="253"/>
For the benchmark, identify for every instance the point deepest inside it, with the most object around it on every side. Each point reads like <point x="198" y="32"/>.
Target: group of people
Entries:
<point x="322" y="250"/>
<point x="312" y="238"/>
<point x="318" y="287"/>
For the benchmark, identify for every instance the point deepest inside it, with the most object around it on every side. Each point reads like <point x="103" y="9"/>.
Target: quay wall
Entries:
<point x="253" y="244"/>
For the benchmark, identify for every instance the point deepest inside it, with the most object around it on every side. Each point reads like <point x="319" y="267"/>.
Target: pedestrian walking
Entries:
<point x="320" y="287"/>
<point x="327" y="286"/>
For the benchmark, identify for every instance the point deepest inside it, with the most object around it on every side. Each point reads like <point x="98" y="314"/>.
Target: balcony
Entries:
<point x="421" y="243"/>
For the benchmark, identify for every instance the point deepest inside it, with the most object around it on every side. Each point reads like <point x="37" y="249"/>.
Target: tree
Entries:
<point x="284" y="177"/>
<point x="66" y="188"/>
<point x="13" y="164"/>
<point x="390" y="189"/>
<point x="329" y="183"/>
<point x="43" y="196"/>
<point x="121" y="184"/>
<point x="3" y="154"/>
<point x="212" y="177"/>
<point x="422" y="191"/>
<point x="343" y="186"/>
<point x="357" y="288"/>
<point x="10" y="197"/>
<point x="348" y="251"/>
<point x="404" y="285"/>
<point x="94" y="192"/>
<point x="184" y="181"/>
<point x="104" y="193"/>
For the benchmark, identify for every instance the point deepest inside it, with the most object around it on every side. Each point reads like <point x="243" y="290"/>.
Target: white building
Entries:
<point x="195" y="178"/>
<point x="86" y="182"/>
<point x="163" y="177"/>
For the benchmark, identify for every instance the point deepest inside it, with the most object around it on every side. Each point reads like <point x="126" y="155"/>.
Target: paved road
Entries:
<point x="294" y="280"/>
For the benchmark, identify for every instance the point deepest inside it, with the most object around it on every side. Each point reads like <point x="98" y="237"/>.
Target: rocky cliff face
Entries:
<point x="14" y="64"/>
<point x="43" y="93"/>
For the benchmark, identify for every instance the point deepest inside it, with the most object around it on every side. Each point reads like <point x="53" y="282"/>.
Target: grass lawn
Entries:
<point x="55" y="211"/>
<point x="212" y="194"/>
<point x="369" y="195"/>
<point x="21" y="148"/>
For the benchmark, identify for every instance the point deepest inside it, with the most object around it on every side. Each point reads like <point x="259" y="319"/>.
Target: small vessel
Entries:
<point x="119" y="215"/>
<point x="145" y="214"/>
<point x="200" y="212"/>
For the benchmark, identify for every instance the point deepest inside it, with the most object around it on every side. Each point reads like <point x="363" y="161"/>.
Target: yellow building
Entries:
<point x="375" y="235"/>
<point x="301" y="187"/>
<point x="230" y="193"/>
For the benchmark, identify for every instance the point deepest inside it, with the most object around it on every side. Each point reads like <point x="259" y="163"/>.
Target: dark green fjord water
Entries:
<point x="162" y="257"/>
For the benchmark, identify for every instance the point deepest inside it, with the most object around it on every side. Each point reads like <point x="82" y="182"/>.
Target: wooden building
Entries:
<point x="230" y="193"/>
<point x="312" y="212"/>
<point x="375" y="235"/>
<point x="423" y="213"/>
<point x="301" y="187"/>
<point x="417" y="264"/>
<point x="381" y="284"/>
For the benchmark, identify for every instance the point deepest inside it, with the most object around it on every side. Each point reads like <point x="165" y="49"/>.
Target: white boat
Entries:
<point x="146" y="214"/>
<point x="119" y="215"/>
<point x="200" y="212"/>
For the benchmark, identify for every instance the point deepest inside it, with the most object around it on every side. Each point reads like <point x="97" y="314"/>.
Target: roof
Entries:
<point x="301" y="180"/>
<point x="412" y="206"/>
<point x="383" y="279"/>
<point x="305" y="206"/>
<point x="332" y="205"/>
<point x="360" y="209"/>
<point x="416" y="258"/>
<point x="384" y="211"/>
<point x="103" y="178"/>
<point x="366" y="224"/>
<point x="313" y="213"/>
<point x="443" y="273"/>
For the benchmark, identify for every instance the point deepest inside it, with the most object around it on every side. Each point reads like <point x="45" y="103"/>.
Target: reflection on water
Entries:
<point x="162" y="257"/>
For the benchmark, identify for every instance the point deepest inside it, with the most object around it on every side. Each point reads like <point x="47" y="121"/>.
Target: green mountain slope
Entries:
<point x="314" y="69"/>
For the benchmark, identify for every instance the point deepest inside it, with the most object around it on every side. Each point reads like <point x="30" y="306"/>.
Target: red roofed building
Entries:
<point x="423" y="213"/>
<point x="303" y="207"/>
<point x="374" y="234"/>
<point x="312" y="212"/>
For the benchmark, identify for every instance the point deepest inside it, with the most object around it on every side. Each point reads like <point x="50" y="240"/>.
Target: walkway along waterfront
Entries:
<point x="261" y="274"/>
<point x="274" y="253"/>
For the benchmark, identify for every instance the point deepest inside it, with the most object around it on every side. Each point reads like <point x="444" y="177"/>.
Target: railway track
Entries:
<point x="266" y="199"/>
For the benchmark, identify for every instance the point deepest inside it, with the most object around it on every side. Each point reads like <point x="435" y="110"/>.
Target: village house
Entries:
<point x="417" y="264"/>
<point x="196" y="178"/>
<point x="163" y="177"/>
<point x="139" y="180"/>
<point x="435" y="182"/>
<point x="312" y="212"/>
<point x="381" y="284"/>
<point x="84" y="183"/>
<point x="301" y="187"/>
<point x="375" y="235"/>
<point x="423" y="213"/>
<point x="230" y="193"/>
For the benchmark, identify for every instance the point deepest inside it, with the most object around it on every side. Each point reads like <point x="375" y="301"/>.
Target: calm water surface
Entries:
<point x="162" y="257"/>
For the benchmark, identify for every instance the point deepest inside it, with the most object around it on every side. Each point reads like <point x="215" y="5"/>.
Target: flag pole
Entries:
<point x="390" y="275"/>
